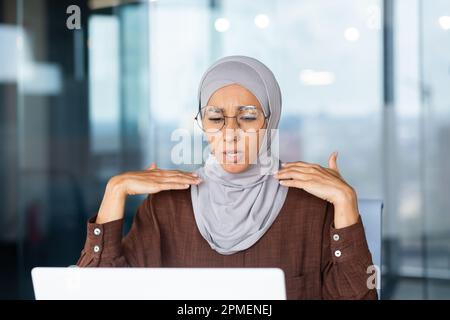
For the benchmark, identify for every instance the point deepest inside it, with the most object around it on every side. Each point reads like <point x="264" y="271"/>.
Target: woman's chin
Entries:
<point x="235" y="167"/>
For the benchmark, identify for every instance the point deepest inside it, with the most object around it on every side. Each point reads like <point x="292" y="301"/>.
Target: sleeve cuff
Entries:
<point x="349" y="243"/>
<point x="104" y="240"/>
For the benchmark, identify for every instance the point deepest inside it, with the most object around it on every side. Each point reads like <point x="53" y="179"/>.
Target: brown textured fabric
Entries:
<point x="300" y="242"/>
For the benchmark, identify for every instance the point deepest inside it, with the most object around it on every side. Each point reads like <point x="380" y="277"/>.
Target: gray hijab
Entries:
<point x="233" y="211"/>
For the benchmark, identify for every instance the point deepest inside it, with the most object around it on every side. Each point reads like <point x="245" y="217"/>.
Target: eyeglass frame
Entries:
<point x="200" y="109"/>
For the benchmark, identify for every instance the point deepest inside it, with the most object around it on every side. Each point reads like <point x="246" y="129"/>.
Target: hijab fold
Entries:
<point x="234" y="210"/>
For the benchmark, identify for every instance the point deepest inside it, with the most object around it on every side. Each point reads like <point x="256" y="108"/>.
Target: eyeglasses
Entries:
<point x="212" y="119"/>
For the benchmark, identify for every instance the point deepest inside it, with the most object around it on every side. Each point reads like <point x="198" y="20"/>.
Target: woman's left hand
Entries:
<point x="325" y="183"/>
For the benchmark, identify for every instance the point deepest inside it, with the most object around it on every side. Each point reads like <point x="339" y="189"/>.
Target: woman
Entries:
<point x="242" y="208"/>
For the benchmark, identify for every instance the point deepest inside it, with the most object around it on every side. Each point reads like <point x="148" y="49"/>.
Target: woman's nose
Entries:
<point x="230" y="131"/>
<point x="231" y="123"/>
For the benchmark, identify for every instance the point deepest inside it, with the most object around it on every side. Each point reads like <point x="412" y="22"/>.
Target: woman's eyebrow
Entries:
<point x="239" y="108"/>
<point x="248" y="107"/>
<point x="215" y="109"/>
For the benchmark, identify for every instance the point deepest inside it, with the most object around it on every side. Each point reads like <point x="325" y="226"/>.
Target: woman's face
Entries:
<point x="233" y="147"/>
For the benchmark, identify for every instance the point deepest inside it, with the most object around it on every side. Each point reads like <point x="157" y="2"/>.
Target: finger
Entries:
<point x="187" y="173"/>
<point x="293" y="174"/>
<point x="313" y="169"/>
<point x="179" y="174"/>
<point x="170" y="173"/>
<point x="175" y="172"/>
<point x="294" y="183"/>
<point x="180" y="179"/>
<point x="304" y="166"/>
<point x="333" y="172"/>
<point x="332" y="161"/>
<point x="296" y="163"/>
<point x="172" y="186"/>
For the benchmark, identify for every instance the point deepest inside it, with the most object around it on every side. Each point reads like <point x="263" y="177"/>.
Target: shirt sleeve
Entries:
<point x="346" y="261"/>
<point x="105" y="245"/>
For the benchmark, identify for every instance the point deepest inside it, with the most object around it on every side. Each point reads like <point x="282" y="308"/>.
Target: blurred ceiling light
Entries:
<point x="351" y="34"/>
<point x="316" y="78"/>
<point x="262" y="21"/>
<point x="222" y="24"/>
<point x="444" y="22"/>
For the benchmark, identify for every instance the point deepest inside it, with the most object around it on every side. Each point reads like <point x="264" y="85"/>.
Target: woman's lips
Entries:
<point x="232" y="156"/>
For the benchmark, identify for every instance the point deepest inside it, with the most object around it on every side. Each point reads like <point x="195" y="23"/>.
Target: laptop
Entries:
<point x="75" y="283"/>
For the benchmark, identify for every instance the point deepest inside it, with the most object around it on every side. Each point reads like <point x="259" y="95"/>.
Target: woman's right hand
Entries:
<point x="153" y="180"/>
<point x="149" y="181"/>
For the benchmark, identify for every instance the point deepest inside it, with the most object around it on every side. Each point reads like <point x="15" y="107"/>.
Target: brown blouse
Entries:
<point x="319" y="262"/>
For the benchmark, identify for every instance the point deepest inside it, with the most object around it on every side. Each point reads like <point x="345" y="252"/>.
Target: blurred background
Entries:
<point x="370" y="78"/>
